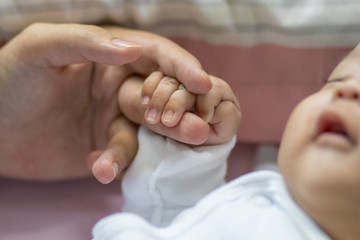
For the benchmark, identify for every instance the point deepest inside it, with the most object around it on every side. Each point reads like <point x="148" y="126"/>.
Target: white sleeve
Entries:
<point x="167" y="177"/>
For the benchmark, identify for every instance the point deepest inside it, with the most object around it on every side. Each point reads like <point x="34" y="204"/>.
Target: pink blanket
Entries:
<point x="68" y="210"/>
<point x="56" y="211"/>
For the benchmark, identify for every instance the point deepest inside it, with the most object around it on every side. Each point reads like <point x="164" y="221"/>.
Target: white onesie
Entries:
<point x="167" y="180"/>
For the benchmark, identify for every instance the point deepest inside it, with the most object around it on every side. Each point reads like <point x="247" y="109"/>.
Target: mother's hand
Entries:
<point x="58" y="93"/>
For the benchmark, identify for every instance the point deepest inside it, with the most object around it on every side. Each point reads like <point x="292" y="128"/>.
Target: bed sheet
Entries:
<point x="68" y="210"/>
<point x="62" y="210"/>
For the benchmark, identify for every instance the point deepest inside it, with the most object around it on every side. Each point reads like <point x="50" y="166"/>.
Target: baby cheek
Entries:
<point x="297" y="140"/>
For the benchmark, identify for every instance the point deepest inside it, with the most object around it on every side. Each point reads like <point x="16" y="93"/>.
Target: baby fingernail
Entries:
<point x="168" y="116"/>
<point x="151" y="115"/>
<point x="145" y="100"/>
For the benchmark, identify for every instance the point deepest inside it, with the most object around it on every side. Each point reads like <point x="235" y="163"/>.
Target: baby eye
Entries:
<point x="335" y="80"/>
<point x="328" y="84"/>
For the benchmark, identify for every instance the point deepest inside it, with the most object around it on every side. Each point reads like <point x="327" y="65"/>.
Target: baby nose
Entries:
<point x="347" y="92"/>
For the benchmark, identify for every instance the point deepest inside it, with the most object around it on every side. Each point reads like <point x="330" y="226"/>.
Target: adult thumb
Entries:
<point x="56" y="45"/>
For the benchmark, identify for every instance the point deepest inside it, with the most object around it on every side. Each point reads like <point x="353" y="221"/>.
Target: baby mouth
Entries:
<point x="332" y="132"/>
<point x="334" y="127"/>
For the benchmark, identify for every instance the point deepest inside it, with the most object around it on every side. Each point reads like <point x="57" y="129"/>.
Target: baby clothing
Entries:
<point x="167" y="179"/>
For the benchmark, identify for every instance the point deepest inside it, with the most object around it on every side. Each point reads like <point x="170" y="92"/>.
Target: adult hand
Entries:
<point x="206" y="119"/>
<point x="58" y="94"/>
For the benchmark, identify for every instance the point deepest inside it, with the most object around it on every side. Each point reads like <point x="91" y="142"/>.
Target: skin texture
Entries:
<point x="219" y="109"/>
<point x="58" y="96"/>
<point x="320" y="152"/>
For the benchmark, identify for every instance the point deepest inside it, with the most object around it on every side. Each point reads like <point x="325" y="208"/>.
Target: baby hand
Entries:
<point x="169" y="103"/>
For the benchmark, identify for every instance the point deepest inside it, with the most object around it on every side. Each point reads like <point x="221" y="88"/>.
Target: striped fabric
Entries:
<point x="272" y="52"/>
<point x="307" y="23"/>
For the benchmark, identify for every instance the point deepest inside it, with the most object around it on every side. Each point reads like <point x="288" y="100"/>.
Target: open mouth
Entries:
<point x="332" y="130"/>
<point x="331" y="124"/>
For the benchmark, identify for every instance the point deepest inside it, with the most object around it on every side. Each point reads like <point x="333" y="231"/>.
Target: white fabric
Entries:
<point x="167" y="176"/>
<point x="306" y="23"/>
<point x="255" y="206"/>
<point x="266" y="157"/>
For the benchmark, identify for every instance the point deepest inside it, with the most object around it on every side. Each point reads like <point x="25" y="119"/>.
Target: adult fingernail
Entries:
<point x="123" y="44"/>
<point x="115" y="168"/>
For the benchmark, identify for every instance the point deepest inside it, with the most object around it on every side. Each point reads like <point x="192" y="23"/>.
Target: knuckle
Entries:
<point x="157" y="100"/>
<point x="227" y="108"/>
<point x="218" y="83"/>
<point x="175" y="104"/>
<point x="170" y="81"/>
<point x="148" y="87"/>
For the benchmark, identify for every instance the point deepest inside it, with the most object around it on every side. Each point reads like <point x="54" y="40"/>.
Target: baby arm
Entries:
<point x="167" y="176"/>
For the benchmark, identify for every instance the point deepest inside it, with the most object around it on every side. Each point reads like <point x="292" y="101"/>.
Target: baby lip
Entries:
<point x="331" y="123"/>
<point x="333" y="127"/>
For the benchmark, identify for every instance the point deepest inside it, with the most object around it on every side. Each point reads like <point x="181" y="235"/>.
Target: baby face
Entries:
<point x="320" y="151"/>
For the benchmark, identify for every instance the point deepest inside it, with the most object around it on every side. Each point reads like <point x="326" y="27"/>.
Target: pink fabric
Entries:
<point x="56" y="211"/>
<point x="269" y="80"/>
<point x="68" y="210"/>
